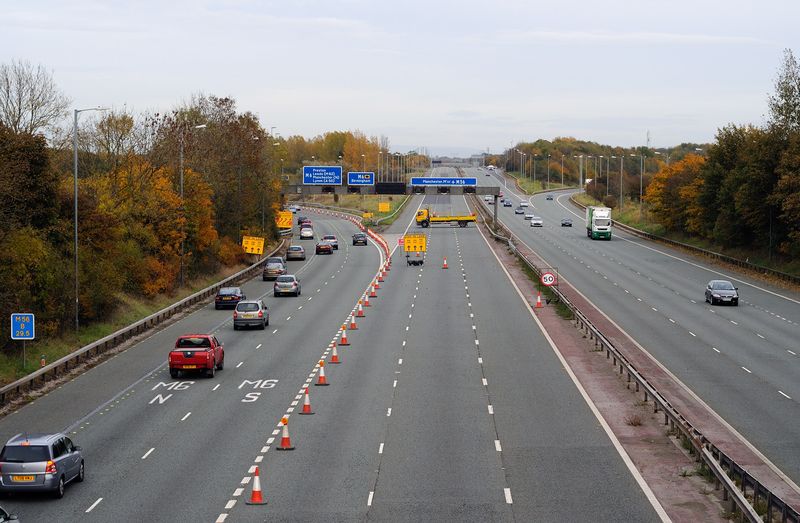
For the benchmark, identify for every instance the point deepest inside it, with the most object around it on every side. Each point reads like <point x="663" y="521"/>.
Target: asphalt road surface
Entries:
<point x="744" y="361"/>
<point x="450" y="404"/>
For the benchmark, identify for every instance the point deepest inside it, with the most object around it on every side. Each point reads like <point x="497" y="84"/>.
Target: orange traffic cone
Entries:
<point x="334" y="355"/>
<point x="306" y="411"/>
<point x="539" y="299"/>
<point x="353" y="326"/>
<point x="389" y="265"/>
<point x="360" y="312"/>
<point x="372" y="292"/>
<point x="376" y="284"/>
<point x="366" y="300"/>
<point x="380" y="276"/>
<point x="286" y="443"/>
<point x="444" y="265"/>
<point x="255" y="496"/>
<point x="322" y="381"/>
<point x="418" y="254"/>
<point x="344" y="341"/>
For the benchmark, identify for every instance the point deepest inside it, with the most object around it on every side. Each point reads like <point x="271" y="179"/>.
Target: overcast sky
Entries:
<point x="455" y="76"/>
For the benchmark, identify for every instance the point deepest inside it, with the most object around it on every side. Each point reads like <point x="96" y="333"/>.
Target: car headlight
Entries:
<point x="716" y="295"/>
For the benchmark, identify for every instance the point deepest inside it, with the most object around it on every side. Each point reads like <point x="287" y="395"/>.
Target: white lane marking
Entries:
<point x="269" y="442"/>
<point x="148" y="453"/>
<point x="216" y="386"/>
<point x="716" y="349"/>
<point x="240" y="364"/>
<point x="380" y="449"/>
<point x="258" y="459"/>
<point x="238" y="492"/>
<point x="222" y="517"/>
<point x="791" y="352"/>
<point x="507" y="492"/>
<point x="186" y="416"/>
<point x="94" y="505"/>
<point x="388" y="412"/>
<point x="734" y="322"/>
<point x="258" y="346"/>
<point x="394" y="385"/>
<point x="404" y="343"/>
<point x="491" y="409"/>
<point x="276" y="330"/>
<point x="480" y="360"/>
<point x="747" y="370"/>
<point x="400" y="361"/>
<point x="485" y="383"/>
<point x="369" y="498"/>
<point x="760" y="336"/>
<point x="300" y="307"/>
<point x="693" y="334"/>
<point x="229" y="505"/>
<point x="497" y="446"/>
<point x="779" y="392"/>
<point x="673" y="321"/>
<point x="406" y="327"/>
<point x="654" y="309"/>
<point x="289" y="318"/>
<point x="309" y="298"/>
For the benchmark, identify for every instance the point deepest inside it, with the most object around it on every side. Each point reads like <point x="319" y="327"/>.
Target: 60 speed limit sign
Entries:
<point x="548" y="279"/>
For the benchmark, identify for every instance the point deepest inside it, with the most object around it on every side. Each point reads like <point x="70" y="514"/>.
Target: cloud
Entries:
<point x="583" y="37"/>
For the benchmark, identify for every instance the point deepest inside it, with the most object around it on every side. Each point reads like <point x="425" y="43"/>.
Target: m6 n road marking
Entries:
<point x="250" y="397"/>
<point x="174" y="385"/>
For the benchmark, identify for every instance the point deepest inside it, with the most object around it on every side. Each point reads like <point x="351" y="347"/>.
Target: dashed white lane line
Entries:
<point x="693" y="334"/>
<point x="394" y="385"/>
<point x="485" y="383"/>
<point x="400" y="361"/>
<point x="300" y="307"/>
<point x="480" y="360"/>
<point x="779" y="392"/>
<point x="222" y="517"/>
<point x="388" y="412"/>
<point x="276" y="330"/>
<point x="497" y="446"/>
<point x="671" y="320"/>
<point x="791" y="352"/>
<point x="216" y="386"/>
<point x="229" y="505"/>
<point x="747" y="370"/>
<point x="491" y="409"/>
<point x="238" y="492"/>
<point x="288" y="318"/>
<point x="654" y="309"/>
<point x="716" y="349"/>
<point x="148" y="453"/>
<point x="380" y="449"/>
<point x="240" y="364"/>
<point x="91" y="508"/>
<point x="245" y="480"/>
<point x="760" y="336"/>
<point x="369" y="498"/>
<point x="507" y="492"/>
<point x="258" y="346"/>
<point x="734" y="322"/>
<point x="186" y="416"/>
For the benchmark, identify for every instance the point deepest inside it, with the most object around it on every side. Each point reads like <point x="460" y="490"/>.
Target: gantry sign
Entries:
<point x="325" y="180"/>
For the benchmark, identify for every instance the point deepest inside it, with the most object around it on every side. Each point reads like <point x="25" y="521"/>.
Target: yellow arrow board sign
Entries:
<point x="415" y="243"/>
<point x="284" y="219"/>
<point x="253" y="244"/>
<point x="366" y="215"/>
<point x="383" y="207"/>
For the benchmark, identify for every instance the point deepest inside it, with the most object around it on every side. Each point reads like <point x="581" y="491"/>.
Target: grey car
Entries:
<point x="722" y="291"/>
<point x="40" y="462"/>
<point x="295" y="252"/>
<point x="286" y="284"/>
<point x="251" y="313"/>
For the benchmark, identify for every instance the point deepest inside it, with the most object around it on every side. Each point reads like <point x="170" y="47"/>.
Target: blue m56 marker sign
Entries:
<point x="23" y="326"/>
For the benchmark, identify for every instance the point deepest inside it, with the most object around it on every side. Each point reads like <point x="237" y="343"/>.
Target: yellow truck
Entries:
<point x="415" y="244"/>
<point x="425" y="218"/>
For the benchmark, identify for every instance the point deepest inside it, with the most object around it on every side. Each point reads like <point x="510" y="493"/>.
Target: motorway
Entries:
<point x="744" y="362"/>
<point x="450" y="404"/>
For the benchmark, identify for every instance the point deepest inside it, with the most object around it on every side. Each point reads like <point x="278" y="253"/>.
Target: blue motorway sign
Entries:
<point x="23" y="326"/>
<point x="322" y="175"/>
<point x="366" y="178"/>
<point x="444" y="181"/>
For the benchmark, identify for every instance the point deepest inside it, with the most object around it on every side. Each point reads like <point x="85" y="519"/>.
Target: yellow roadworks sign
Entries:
<point x="253" y="244"/>
<point x="367" y="215"/>
<point x="284" y="219"/>
<point x="415" y="243"/>
<point x="384" y="207"/>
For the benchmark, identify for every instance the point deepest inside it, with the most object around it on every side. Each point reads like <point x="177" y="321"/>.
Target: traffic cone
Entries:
<point x="376" y="284"/>
<point x="372" y="292"/>
<point x="306" y="411"/>
<point x="389" y="265"/>
<point x="344" y="341"/>
<point x="366" y="300"/>
<point x="444" y="265"/>
<point x="380" y="276"/>
<point x="334" y="355"/>
<point x="322" y="381"/>
<point x="255" y="496"/>
<point x="286" y="443"/>
<point x="539" y="299"/>
<point x="353" y="326"/>
<point x="360" y="312"/>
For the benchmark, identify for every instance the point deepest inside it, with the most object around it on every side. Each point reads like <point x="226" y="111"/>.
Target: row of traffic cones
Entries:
<point x="256" y="495"/>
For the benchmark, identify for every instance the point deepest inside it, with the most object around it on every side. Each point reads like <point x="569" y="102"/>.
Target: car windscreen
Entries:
<point x="228" y="291"/>
<point x="193" y="343"/>
<point x="247" y="307"/>
<point x="24" y="453"/>
<point x="329" y="237"/>
<point x="285" y="279"/>
<point x="602" y="222"/>
<point x="275" y="260"/>
<point x="722" y="286"/>
<point x="274" y="265"/>
<point x="294" y="248"/>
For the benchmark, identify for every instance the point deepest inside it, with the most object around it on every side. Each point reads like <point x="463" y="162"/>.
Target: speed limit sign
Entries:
<point x="548" y="279"/>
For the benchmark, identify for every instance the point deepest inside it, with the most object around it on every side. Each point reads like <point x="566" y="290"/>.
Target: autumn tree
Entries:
<point x="668" y="202"/>
<point x="784" y="103"/>
<point x="30" y="101"/>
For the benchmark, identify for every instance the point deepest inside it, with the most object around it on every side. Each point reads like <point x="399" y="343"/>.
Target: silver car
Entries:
<point x="40" y="462"/>
<point x="536" y="221"/>
<point x="295" y="252"/>
<point x="286" y="284"/>
<point x="251" y="313"/>
<point x="306" y="233"/>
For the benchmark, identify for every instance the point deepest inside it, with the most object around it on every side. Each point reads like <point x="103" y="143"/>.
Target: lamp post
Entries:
<point x="608" y="173"/>
<point x="548" y="171"/>
<point x="534" y="170"/>
<point x="621" y="162"/>
<point x="75" y="173"/>
<point x="562" y="169"/>
<point x="183" y="204"/>
<point x="363" y="163"/>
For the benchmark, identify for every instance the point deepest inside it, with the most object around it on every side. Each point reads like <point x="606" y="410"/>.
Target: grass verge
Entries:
<point x="362" y="203"/>
<point x="530" y="187"/>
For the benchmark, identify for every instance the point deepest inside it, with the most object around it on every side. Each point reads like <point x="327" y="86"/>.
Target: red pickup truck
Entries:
<point x="192" y="352"/>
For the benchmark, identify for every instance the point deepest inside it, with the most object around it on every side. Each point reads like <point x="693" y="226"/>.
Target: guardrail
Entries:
<point x="791" y="278"/>
<point x="63" y="365"/>
<point x="725" y="470"/>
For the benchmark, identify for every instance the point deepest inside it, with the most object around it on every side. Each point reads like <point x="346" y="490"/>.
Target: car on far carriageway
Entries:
<point x="360" y="238"/>
<point x="35" y="462"/>
<point x="228" y="297"/>
<point x="252" y="313"/>
<point x="566" y="222"/>
<point x="549" y="196"/>
<point x="196" y="352"/>
<point x="722" y="291"/>
<point x="331" y="238"/>
<point x="324" y="247"/>
<point x="295" y="252"/>
<point x="286" y="284"/>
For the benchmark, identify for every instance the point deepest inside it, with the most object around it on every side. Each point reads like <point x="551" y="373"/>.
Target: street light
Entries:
<point x="548" y="171"/>
<point x="608" y="173"/>
<point x="562" y="169"/>
<point x="75" y="172"/>
<point x="363" y="163"/>
<point x="183" y="205"/>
